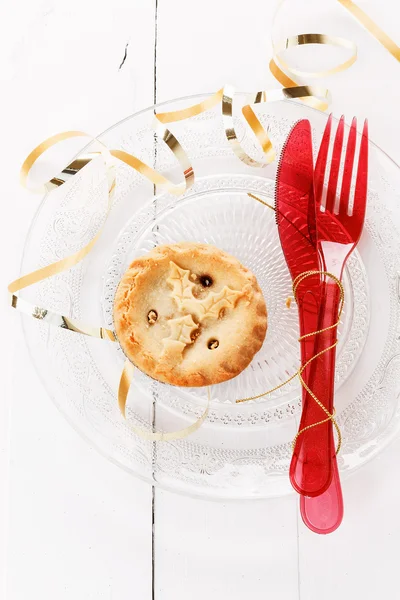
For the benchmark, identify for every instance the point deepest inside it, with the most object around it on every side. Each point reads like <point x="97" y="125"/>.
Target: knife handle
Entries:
<point x="311" y="467"/>
<point x="324" y="514"/>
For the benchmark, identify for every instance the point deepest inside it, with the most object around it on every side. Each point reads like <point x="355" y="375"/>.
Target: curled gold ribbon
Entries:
<point x="254" y="124"/>
<point x="66" y="263"/>
<point x="288" y="83"/>
<point x="315" y="38"/>
<point x="225" y="96"/>
<point x="191" y="111"/>
<point x="67" y="173"/>
<point x="154" y="176"/>
<point x="280" y="68"/>
<point x="319" y="96"/>
<point x="56" y="320"/>
<point x="285" y="74"/>
<point x="372" y="27"/>
<point x="156" y="436"/>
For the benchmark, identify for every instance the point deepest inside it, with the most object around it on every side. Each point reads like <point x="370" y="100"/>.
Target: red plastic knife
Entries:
<point x="295" y="216"/>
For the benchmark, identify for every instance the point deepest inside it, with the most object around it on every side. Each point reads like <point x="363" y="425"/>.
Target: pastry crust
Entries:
<point x="189" y="314"/>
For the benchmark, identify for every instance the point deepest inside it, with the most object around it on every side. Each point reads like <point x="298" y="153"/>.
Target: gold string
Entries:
<point x="296" y="282"/>
<point x="330" y="417"/>
<point x="261" y="201"/>
<point x="298" y="373"/>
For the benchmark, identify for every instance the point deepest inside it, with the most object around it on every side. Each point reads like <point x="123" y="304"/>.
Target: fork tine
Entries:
<point x="320" y="167"/>
<point x="348" y="168"/>
<point x="360" y="195"/>
<point x="334" y="174"/>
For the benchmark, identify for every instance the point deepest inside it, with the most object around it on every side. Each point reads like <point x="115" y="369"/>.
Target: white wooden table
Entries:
<point x="75" y="526"/>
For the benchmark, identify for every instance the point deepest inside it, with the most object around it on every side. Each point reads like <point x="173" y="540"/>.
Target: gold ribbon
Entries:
<point x="315" y="38"/>
<point x="191" y="111"/>
<point x="156" y="178"/>
<point x="372" y="27"/>
<point x="67" y="173"/>
<point x="320" y="95"/>
<point x="66" y="263"/>
<point x="254" y="124"/>
<point x="56" y="320"/>
<point x="316" y="97"/>
<point x="280" y="68"/>
<point x="320" y="102"/>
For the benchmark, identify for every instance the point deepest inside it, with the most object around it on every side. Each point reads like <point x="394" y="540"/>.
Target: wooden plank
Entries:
<point x="203" y="46"/>
<point x="229" y="550"/>
<point x="214" y="549"/>
<point x="78" y="526"/>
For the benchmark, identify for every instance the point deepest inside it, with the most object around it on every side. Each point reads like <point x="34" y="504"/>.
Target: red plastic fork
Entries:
<point x="314" y="467"/>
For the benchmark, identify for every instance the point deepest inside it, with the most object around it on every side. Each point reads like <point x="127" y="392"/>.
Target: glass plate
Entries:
<point x="241" y="451"/>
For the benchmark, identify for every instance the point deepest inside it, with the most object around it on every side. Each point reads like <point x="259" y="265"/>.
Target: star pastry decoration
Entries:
<point x="181" y="285"/>
<point x="181" y="329"/>
<point x="211" y="306"/>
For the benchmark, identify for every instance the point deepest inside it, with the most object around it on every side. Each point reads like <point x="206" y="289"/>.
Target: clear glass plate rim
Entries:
<point x="388" y="439"/>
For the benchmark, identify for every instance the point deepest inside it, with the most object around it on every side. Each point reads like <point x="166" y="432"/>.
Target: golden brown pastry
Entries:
<point x="189" y="314"/>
